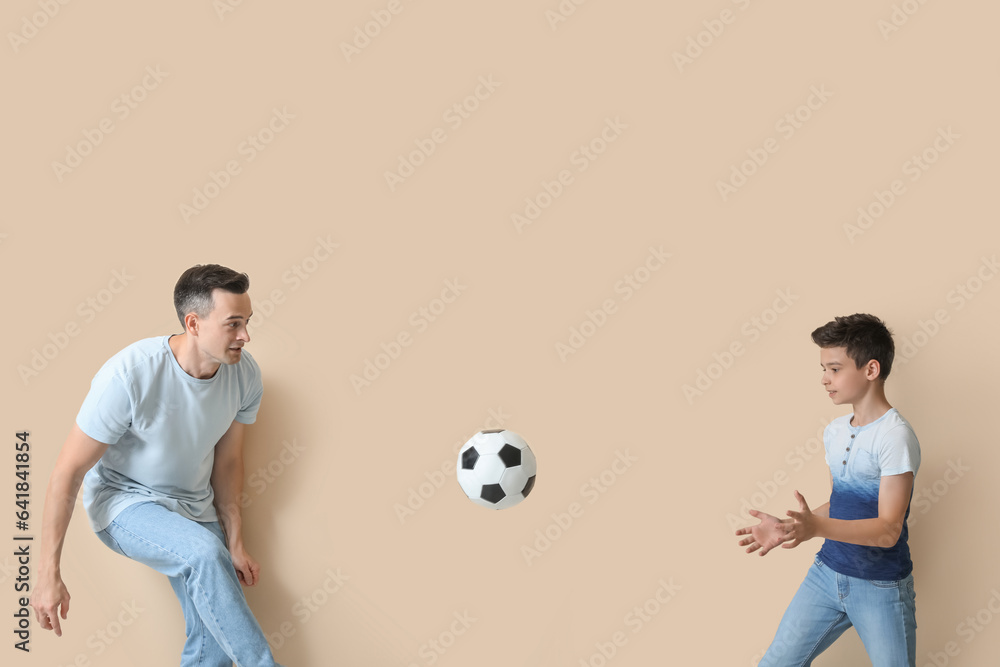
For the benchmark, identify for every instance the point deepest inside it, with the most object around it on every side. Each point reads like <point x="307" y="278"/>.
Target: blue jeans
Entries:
<point x="220" y="628"/>
<point x="828" y="603"/>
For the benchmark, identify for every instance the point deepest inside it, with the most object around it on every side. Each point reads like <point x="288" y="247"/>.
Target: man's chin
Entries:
<point x="232" y="356"/>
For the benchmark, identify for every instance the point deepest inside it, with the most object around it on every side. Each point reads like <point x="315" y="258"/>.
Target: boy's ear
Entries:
<point x="873" y="369"/>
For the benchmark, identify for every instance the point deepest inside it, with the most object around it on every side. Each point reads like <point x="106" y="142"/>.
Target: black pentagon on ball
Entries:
<point x="528" y="486"/>
<point x="492" y="493"/>
<point x="469" y="458"/>
<point x="510" y="455"/>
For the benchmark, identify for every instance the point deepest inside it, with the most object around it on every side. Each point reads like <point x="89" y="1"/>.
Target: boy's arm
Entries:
<point x="882" y="531"/>
<point x="772" y="531"/>
<point x="78" y="455"/>
<point x="227" y="482"/>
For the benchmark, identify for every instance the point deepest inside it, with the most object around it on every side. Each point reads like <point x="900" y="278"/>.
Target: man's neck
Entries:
<point x="189" y="359"/>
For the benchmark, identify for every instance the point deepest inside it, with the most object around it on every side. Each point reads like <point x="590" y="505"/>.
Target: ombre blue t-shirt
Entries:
<point x="161" y="425"/>
<point x="859" y="456"/>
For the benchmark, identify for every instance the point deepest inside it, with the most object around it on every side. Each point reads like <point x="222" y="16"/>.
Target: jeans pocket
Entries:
<point x="887" y="583"/>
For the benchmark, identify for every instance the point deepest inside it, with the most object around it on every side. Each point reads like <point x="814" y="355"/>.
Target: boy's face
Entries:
<point x="223" y="333"/>
<point x="842" y="379"/>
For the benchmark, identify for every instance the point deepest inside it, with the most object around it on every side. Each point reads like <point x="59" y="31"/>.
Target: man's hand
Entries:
<point x="50" y="599"/>
<point x="247" y="569"/>
<point x="766" y="535"/>
<point x="803" y="525"/>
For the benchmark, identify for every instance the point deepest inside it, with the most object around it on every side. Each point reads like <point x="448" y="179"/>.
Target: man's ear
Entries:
<point x="191" y="323"/>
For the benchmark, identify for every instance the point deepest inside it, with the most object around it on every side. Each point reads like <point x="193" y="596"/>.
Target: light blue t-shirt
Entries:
<point x="859" y="456"/>
<point x="161" y="425"/>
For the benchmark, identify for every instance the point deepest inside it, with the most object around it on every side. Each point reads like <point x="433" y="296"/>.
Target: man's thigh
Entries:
<point x="162" y="539"/>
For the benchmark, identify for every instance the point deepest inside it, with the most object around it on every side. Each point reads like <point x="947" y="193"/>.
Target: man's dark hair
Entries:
<point x="193" y="291"/>
<point x="865" y="337"/>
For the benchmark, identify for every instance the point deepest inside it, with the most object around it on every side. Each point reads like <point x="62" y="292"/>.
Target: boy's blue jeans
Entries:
<point x="220" y="628"/>
<point x="828" y="603"/>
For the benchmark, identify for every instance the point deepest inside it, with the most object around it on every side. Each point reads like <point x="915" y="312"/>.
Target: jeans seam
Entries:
<point x="201" y="647"/>
<point x="117" y="543"/>
<point x="809" y="656"/>
<point x="847" y="584"/>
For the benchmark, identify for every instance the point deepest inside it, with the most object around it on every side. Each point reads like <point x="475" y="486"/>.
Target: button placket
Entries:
<point x="847" y="450"/>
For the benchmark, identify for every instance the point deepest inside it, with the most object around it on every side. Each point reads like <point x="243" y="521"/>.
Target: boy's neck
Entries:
<point x="870" y="407"/>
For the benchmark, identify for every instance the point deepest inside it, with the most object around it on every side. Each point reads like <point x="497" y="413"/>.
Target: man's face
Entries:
<point x="842" y="379"/>
<point x="223" y="333"/>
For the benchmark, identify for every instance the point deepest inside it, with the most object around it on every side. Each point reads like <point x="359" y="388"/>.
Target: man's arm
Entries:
<point x="227" y="482"/>
<point x="882" y="531"/>
<point x="78" y="455"/>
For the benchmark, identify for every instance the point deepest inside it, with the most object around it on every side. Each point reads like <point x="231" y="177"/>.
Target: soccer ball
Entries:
<point x="496" y="469"/>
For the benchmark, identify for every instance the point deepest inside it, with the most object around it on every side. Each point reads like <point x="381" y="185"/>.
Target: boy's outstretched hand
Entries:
<point x="766" y="535"/>
<point x="803" y="525"/>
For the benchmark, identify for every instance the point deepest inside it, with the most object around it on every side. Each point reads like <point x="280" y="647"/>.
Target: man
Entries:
<point x="158" y="446"/>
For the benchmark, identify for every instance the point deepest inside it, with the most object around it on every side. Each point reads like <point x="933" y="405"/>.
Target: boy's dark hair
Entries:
<point x="193" y="291"/>
<point x="866" y="337"/>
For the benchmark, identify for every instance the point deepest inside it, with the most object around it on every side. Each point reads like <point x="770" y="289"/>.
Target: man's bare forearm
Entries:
<point x="60" y="500"/>
<point x="227" y="482"/>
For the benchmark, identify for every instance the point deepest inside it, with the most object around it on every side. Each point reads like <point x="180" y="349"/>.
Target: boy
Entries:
<point x="158" y="447"/>
<point x="862" y="576"/>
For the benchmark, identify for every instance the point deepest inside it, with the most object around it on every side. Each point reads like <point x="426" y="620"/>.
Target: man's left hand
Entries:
<point x="247" y="569"/>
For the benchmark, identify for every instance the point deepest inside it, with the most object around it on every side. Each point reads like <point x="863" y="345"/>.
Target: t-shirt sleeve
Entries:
<point x="827" y="445"/>
<point x="252" y="391"/>
<point x="899" y="452"/>
<point x="106" y="412"/>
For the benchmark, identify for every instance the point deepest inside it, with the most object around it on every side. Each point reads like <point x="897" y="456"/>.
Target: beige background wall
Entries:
<point x="349" y="578"/>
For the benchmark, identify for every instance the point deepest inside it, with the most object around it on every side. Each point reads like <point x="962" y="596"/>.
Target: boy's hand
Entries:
<point x="803" y="525"/>
<point x="766" y="535"/>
